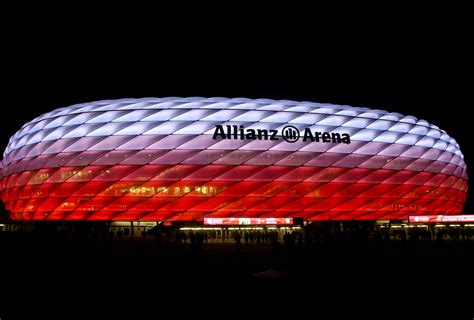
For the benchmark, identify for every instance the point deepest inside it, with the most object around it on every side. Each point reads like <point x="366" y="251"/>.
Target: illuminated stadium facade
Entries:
<point x="186" y="159"/>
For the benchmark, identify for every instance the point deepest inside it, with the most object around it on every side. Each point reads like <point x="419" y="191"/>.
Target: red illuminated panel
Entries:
<point x="247" y="221"/>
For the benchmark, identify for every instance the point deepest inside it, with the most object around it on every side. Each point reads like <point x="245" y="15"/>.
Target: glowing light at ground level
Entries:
<point x="441" y="218"/>
<point x="247" y="221"/>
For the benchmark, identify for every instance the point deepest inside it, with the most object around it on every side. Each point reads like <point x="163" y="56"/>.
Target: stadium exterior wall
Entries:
<point x="183" y="159"/>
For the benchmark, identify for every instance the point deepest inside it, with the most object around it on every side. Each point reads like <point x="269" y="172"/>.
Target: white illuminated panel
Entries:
<point x="106" y="117"/>
<point x="106" y="129"/>
<point x="133" y="116"/>
<point x="135" y="129"/>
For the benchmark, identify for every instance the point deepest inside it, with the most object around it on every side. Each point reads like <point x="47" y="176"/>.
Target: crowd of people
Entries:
<point x="297" y="237"/>
<point x="311" y="236"/>
<point x="426" y="233"/>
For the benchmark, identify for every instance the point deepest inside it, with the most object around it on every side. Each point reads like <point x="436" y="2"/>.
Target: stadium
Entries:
<point x="229" y="161"/>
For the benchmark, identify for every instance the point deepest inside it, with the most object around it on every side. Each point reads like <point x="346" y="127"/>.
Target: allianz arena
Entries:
<point x="186" y="159"/>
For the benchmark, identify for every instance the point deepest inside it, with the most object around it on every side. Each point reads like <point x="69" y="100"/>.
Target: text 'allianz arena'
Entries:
<point x="189" y="158"/>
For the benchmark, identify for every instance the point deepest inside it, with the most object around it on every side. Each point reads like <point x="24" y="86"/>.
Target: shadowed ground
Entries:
<point x="144" y="275"/>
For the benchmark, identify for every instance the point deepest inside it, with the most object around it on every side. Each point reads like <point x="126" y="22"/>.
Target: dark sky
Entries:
<point x="430" y="80"/>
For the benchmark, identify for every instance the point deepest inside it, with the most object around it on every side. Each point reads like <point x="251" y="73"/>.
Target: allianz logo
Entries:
<point x="288" y="133"/>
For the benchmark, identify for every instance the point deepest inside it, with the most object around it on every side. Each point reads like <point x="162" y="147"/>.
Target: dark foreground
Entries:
<point x="380" y="279"/>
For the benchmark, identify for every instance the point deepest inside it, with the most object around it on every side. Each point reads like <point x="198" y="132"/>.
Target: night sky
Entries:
<point x="429" y="81"/>
<point x="414" y="59"/>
